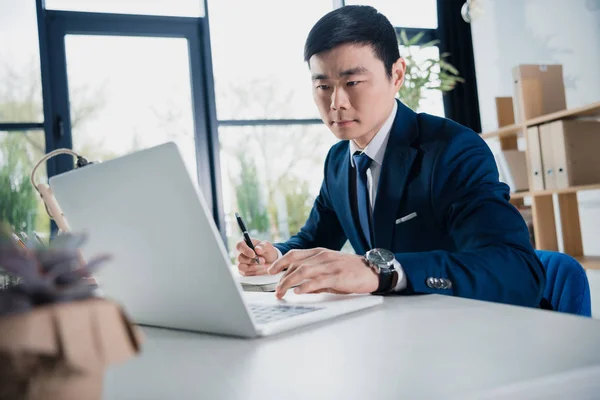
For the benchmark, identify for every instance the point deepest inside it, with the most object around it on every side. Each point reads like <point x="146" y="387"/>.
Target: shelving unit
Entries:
<point x="542" y="204"/>
<point x="588" y="111"/>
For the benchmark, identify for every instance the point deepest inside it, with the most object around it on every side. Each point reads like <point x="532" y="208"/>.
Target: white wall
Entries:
<point x="567" y="32"/>
<point x="512" y="32"/>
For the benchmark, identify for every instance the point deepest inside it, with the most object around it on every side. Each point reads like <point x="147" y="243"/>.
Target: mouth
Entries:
<point x="344" y="123"/>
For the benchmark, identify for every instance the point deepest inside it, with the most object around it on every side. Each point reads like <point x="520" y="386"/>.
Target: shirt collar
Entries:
<point x="376" y="147"/>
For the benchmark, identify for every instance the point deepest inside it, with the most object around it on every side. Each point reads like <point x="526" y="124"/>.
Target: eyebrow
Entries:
<point x="348" y="72"/>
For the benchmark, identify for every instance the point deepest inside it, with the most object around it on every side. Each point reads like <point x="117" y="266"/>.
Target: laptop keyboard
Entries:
<point x="270" y="313"/>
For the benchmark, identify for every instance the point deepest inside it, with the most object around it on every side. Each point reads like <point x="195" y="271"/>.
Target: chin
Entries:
<point x="344" y="134"/>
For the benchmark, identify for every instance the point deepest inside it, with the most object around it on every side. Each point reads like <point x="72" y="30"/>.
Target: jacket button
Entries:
<point x="430" y="283"/>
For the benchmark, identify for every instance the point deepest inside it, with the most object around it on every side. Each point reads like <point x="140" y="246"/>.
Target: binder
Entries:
<point x="547" y="149"/>
<point x="536" y="177"/>
<point x="576" y="146"/>
<point x="512" y="168"/>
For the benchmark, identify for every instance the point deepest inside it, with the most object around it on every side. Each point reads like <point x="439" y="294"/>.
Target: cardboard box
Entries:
<point x="512" y="167"/>
<point x="60" y="351"/>
<point x="570" y="153"/>
<point x="538" y="90"/>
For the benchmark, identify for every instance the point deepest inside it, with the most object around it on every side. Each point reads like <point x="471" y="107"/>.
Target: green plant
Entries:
<point x="428" y="74"/>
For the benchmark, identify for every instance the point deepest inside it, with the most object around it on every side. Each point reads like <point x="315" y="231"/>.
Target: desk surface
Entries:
<point x="422" y="347"/>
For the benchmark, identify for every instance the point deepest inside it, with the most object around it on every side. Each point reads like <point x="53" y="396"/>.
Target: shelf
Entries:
<point x="589" y="262"/>
<point x="572" y="189"/>
<point x="520" y="195"/>
<point x="509" y="130"/>
<point x="590" y="110"/>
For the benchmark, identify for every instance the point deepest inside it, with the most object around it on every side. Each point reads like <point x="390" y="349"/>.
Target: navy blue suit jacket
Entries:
<point x="465" y="230"/>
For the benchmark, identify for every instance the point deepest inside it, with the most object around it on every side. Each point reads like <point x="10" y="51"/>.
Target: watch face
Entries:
<point x="380" y="257"/>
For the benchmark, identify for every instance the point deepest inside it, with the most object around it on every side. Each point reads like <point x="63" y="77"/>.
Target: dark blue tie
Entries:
<point x="362" y="162"/>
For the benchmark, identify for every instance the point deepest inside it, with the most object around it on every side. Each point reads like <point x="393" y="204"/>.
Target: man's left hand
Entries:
<point x="322" y="270"/>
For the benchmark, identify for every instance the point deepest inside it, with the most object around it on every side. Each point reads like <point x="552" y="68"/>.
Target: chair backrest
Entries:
<point x="567" y="287"/>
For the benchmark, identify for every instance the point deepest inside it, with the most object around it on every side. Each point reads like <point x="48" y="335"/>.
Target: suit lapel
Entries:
<point x="397" y="163"/>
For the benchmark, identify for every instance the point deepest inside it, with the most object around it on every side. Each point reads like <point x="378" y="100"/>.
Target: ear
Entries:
<point x="398" y="71"/>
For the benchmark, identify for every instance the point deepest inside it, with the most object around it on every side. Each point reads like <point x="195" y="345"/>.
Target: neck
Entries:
<point x="364" y="140"/>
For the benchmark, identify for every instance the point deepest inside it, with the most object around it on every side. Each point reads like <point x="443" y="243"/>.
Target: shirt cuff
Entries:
<point x="279" y="255"/>
<point x="401" y="284"/>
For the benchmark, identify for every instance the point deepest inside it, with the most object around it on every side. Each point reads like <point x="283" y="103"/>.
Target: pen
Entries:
<point x="39" y="239"/>
<point x="240" y="222"/>
<point x="19" y="241"/>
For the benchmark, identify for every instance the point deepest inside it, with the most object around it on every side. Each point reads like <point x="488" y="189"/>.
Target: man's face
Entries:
<point x="353" y="92"/>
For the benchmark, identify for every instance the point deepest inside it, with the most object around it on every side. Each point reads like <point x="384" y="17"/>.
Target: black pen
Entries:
<point x="240" y="222"/>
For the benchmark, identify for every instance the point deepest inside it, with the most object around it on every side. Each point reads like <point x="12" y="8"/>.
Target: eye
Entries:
<point x="323" y="87"/>
<point x="353" y="83"/>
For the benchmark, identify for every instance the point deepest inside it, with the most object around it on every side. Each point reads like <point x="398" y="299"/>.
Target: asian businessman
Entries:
<point x="417" y="196"/>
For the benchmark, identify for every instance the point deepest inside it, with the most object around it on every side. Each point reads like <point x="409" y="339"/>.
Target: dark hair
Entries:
<point x="357" y="25"/>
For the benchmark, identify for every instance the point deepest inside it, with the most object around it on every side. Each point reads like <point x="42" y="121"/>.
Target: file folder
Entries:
<point x="536" y="177"/>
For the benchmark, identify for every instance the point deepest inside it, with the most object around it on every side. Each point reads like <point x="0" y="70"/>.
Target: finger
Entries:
<point x="262" y="247"/>
<point x="243" y="248"/>
<point x="299" y="274"/>
<point x="243" y="259"/>
<point x="321" y="282"/>
<point x="256" y="272"/>
<point x="293" y="256"/>
<point x="327" y="290"/>
<point x="250" y="268"/>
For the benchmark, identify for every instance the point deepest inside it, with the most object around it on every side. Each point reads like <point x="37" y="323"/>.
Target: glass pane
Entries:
<point x="273" y="179"/>
<point x="129" y="93"/>
<point x="405" y="13"/>
<point x="258" y="57"/>
<point x="20" y="205"/>
<point x="181" y="8"/>
<point x="430" y="98"/>
<point x="20" y="76"/>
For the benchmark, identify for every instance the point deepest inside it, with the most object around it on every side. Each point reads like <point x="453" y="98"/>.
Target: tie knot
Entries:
<point x="361" y="161"/>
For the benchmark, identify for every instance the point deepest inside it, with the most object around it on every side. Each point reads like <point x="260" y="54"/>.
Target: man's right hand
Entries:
<point x="266" y="252"/>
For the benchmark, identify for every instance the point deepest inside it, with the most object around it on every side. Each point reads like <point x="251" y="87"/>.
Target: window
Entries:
<point x="405" y="13"/>
<point x="258" y="60"/>
<point x="20" y="205"/>
<point x="21" y="105"/>
<point x="20" y="76"/>
<point x="271" y="176"/>
<point x="431" y="99"/>
<point x="180" y="8"/>
<point x="129" y="93"/>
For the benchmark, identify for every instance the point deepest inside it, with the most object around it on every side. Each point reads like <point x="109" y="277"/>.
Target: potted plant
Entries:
<point x="56" y="335"/>
<point x="428" y="74"/>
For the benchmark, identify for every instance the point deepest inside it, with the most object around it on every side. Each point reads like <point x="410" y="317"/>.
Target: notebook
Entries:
<point x="260" y="283"/>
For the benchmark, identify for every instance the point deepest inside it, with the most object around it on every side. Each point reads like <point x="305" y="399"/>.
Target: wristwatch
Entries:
<point x="382" y="262"/>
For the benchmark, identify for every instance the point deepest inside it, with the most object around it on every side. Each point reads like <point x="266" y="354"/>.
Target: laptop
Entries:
<point x="170" y="267"/>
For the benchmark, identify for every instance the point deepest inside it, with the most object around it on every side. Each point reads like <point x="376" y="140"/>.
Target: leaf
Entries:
<point x="416" y="39"/>
<point x="447" y="66"/>
<point x="429" y="44"/>
<point x="403" y="37"/>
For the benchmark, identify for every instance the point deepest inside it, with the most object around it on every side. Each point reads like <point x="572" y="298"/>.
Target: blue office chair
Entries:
<point x="567" y="289"/>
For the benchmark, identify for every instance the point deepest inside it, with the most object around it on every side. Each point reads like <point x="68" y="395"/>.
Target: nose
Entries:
<point x="339" y="99"/>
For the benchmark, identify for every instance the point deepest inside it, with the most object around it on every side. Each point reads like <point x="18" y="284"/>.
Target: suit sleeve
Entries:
<point x="322" y="229"/>
<point x="494" y="260"/>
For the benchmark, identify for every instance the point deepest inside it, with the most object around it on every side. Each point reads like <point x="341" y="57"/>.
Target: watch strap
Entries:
<point x="388" y="278"/>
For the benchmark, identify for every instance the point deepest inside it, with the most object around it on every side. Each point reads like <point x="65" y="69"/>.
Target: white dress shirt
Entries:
<point x="376" y="150"/>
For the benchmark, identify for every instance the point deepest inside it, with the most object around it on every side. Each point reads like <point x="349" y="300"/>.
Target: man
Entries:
<point x="422" y="191"/>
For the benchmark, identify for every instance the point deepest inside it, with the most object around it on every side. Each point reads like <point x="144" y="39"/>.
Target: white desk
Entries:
<point x="410" y="347"/>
